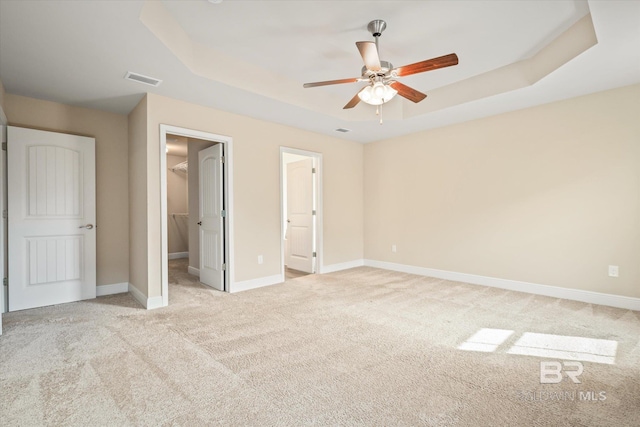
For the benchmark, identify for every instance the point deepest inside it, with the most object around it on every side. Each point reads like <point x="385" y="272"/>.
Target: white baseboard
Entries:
<point x="139" y="296"/>
<point x="154" y="302"/>
<point x="193" y="271"/>
<point x="256" y="283"/>
<point x="590" y="297"/>
<point x="341" y="266"/>
<point x="114" y="288"/>
<point x="178" y="255"/>
<point x="148" y="303"/>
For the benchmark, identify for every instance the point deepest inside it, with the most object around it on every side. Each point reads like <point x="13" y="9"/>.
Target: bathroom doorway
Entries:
<point x="301" y="212"/>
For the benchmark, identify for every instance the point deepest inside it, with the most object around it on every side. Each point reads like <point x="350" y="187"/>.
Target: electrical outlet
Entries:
<point x="613" y="271"/>
<point x="394" y="248"/>
<point x="260" y="259"/>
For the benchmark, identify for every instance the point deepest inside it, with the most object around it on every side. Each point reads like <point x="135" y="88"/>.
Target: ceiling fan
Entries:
<point x="382" y="76"/>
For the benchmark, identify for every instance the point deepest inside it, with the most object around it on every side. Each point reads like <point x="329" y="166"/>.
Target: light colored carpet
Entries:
<point x="358" y="347"/>
<point x="290" y="274"/>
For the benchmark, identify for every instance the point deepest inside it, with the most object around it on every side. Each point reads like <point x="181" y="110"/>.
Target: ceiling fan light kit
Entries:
<point x="377" y="94"/>
<point x="382" y="77"/>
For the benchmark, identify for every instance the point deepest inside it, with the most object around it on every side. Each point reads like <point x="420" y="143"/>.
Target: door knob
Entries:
<point x="88" y="226"/>
<point x="200" y="223"/>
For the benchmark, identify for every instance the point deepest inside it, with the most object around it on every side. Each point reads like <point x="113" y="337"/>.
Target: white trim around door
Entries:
<point x="227" y="142"/>
<point x="319" y="213"/>
<point x="3" y="223"/>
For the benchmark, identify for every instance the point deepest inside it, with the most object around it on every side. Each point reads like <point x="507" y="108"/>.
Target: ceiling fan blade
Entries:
<point x="354" y="101"/>
<point x="408" y="92"/>
<point x="369" y="53"/>
<point x="331" y="82"/>
<point x="428" y="65"/>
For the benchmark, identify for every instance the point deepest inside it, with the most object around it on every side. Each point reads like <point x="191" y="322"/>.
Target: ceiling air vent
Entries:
<point x="343" y="130"/>
<point x="135" y="77"/>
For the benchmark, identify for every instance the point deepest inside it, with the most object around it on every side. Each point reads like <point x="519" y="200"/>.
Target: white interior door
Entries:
<point x="300" y="215"/>
<point x="211" y="217"/>
<point x="52" y="214"/>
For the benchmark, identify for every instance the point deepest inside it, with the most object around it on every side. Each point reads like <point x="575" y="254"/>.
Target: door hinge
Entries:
<point x="223" y="214"/>
<point x="224" y="267"/>
<point x="222" y="159"/>
<point x="314" y="255"/>
<point x="313" y="170"/>
<point x="5" y="281"/>
<point x="313" y="212"/>
<point x="5" y="214"/>
<point x="4" y="146"/>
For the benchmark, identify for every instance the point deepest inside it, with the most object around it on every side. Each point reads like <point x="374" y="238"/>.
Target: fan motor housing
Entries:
<point x="384" y="71"/>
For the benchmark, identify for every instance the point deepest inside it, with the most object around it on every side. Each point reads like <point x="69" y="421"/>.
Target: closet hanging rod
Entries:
<point x="180" y="167"/>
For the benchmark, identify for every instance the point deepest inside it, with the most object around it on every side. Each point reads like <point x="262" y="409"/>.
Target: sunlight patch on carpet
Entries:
<point x="566" y="347"/>
<point x="488" y="340"/>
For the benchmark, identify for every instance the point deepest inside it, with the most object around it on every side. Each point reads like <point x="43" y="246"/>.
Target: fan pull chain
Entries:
<point x="379" y="111"/>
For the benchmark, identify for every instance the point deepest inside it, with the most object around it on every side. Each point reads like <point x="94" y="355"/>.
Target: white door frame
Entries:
<point x="4" y="306"/>
<point x="319" y="233"/>
<point x="227" y="142"/>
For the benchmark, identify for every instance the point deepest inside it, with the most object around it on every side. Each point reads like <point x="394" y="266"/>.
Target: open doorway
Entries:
<point x="196" y="207"/>
<point x="177" y="198"/>
<point x="301" y="212"/>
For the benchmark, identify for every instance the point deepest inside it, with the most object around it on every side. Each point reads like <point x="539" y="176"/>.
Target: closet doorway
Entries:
<point x="195" y="206"/>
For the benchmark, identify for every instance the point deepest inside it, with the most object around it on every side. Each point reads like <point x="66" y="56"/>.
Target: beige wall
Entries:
<point x="548" y="195"/>
<point x="256" y="186"/>
<point x="177" y="225"/>
<point x="110" y="132"/>
<point x="2" y="108"/>
<point x="138" y="209"/>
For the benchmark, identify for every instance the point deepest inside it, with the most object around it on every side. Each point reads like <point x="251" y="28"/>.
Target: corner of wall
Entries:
<point x="138" y="250"/>
<point x="3" y="116"/>
<point x="3" y="121"/>
<point x="148" y="303"/>
<point x="138" y="295"/>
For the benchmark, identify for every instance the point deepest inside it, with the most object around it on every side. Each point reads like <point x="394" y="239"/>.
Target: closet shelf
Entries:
<point x="180" y="167"/>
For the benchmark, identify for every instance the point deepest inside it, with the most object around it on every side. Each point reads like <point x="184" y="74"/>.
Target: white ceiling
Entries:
<point x="252" y="57"/>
